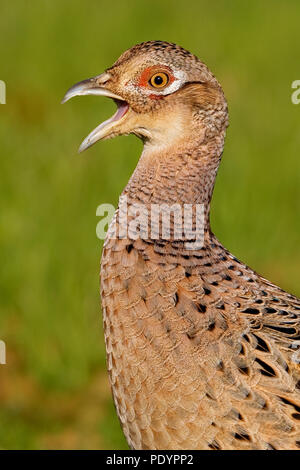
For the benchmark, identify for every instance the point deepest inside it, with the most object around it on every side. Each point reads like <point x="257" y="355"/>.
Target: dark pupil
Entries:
<point x="158" y="80"/>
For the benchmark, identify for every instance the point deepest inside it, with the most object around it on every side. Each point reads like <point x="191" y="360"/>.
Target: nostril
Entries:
<point x="103" y="78"/>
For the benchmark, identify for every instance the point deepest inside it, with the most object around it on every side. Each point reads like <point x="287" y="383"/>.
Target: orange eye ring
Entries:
<point x="159" y="80"/>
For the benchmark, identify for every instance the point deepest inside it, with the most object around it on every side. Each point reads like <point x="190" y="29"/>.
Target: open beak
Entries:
<point x="96" y="86"/>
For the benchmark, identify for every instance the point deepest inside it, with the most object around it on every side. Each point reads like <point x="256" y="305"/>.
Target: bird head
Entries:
<point x="161" y="91"/>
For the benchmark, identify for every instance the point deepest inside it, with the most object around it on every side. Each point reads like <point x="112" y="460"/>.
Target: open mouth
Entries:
<point x="123" y="107"/>
<point x="99" y="133"/>
<point x="105" y="129"/>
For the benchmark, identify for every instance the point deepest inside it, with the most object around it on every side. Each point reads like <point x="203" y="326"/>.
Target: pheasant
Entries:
<point x="202" y="352"/>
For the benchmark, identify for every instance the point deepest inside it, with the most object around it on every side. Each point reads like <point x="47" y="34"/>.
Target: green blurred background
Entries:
<point x="54" y="390"/>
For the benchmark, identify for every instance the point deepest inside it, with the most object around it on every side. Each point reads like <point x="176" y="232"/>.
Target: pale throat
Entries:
<point x="178" y="167"/>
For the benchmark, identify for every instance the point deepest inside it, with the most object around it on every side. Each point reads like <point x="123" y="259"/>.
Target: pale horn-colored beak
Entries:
<point x="96" y="86"/>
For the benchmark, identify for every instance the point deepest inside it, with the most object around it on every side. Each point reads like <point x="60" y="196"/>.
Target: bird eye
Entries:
<point x="159" y="80"/>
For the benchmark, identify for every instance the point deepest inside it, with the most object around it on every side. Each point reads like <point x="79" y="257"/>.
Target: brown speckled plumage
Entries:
<point x="202" y="352"/>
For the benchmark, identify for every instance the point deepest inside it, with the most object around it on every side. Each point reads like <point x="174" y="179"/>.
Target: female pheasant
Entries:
<point x="202" y="352"/>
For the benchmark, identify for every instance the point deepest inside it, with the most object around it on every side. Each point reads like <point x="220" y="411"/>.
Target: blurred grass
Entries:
<point x="54" y="391"/>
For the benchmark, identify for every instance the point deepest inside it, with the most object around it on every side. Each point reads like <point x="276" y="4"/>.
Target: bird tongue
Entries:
<point x="121" y="111"/>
